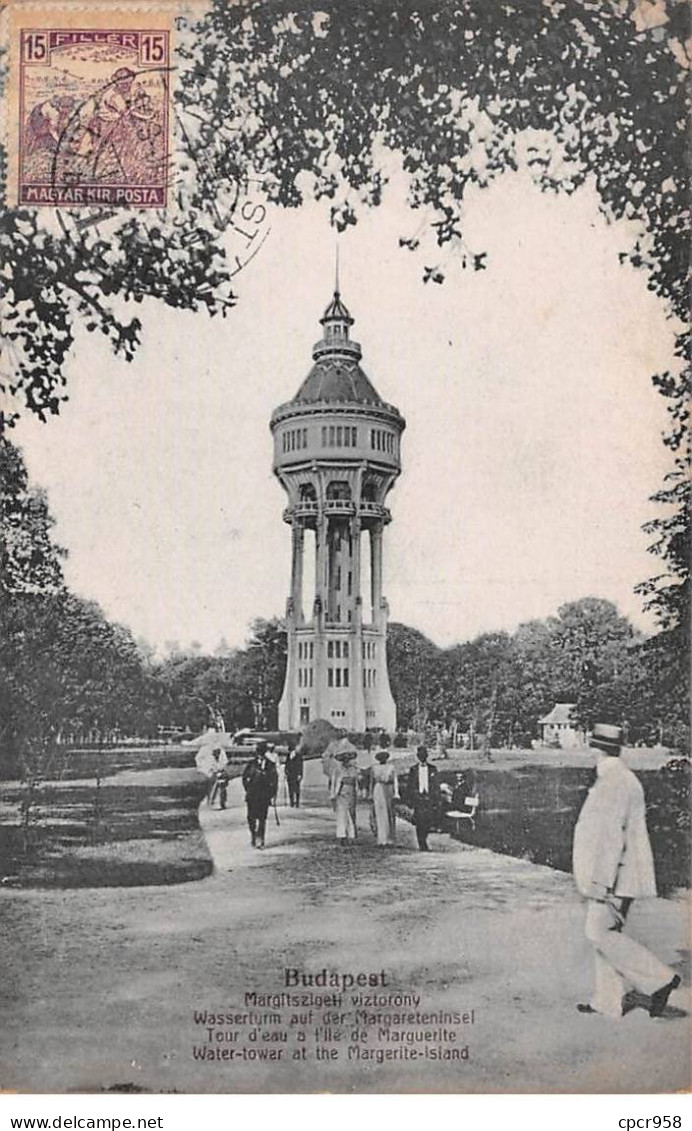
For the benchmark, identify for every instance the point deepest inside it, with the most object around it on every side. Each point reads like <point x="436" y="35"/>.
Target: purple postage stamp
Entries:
<point x="93" y="115"/>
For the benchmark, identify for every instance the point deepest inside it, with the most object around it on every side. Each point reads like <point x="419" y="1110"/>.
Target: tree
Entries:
<point x="411" y="662"/>
<point x="66" y="672"/>
<point x="30" y="561"/>
<point x="63" y="667"/>
<point x="264" y="670"/>
<point x="667" y="595"/>
<point x="484" y="688"/>
<point x="31" y="564"/>
<point x="188" y="700"/>
<point x="495" y="687"/>
<point x="200" y="691"/>
<point x="240" y="686"/>
<point x="540" y="679"/>
<point x="594" y="646"/>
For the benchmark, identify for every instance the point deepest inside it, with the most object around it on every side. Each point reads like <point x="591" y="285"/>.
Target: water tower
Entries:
<point x="337" y="455"/>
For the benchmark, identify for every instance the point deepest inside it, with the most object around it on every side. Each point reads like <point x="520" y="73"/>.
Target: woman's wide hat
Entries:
<point x="606" y="738"/>
<point x="339" y="747"/>
<point x="346" y="755"/>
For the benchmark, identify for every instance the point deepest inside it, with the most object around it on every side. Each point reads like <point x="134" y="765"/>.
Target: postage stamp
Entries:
<point x="92" y="110"/>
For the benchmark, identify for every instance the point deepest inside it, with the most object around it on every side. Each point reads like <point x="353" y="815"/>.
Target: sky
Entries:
<point x="533" y="434"/>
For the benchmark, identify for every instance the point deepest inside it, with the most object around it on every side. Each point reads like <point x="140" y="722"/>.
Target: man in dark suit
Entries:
<point x="293" y="769"/>
<point x="260" y="782"/>
<point x="422" y="793"/>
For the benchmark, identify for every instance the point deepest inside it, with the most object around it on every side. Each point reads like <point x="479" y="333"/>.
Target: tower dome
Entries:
<point x="337" y="455"/>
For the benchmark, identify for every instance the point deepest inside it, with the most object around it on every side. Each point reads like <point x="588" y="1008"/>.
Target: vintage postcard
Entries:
<point x="344" y="738"/>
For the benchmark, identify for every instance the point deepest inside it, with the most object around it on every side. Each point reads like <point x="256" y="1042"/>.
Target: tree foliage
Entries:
<point x="67" y="673"/>
<point x="65" y="670"/>
<point x="63" y="667"/>
<point x="30" y="561"/>
<point x="240" y="686"/>
<point x="411" y="661"/>
<point x="310" y="99"/>
<point x="496" y="687"/>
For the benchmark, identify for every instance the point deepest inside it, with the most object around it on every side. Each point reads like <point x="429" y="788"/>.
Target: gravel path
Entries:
<point x="103" y="984"/>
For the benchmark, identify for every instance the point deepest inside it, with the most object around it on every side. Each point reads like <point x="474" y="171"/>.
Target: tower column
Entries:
<point x="356" y="661"/>
<point x="319" y="612"/>
<point x="321" y="555"/>
<point x="355" y="567"/>
<point x="376" y="572"/>
<point x="297" y="552"/>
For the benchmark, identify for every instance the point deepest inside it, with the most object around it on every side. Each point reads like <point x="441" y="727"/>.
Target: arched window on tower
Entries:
<point x="369" y="491"/>
<point x="339" y="489"/>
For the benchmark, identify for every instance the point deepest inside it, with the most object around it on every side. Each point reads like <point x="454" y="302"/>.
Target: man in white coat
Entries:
<point x="613" y="864"/>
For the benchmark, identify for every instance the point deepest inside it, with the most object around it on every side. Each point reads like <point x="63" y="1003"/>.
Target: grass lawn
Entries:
<point x="530" y="811"/>
<point x="134" y="825"/>
<point x="530" y="801"/>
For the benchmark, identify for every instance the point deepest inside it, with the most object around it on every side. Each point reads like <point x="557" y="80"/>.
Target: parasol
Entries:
<point x="336" y="746"/>
<point x="213" y="738"/>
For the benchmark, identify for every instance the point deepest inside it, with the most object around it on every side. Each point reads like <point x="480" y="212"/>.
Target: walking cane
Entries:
<point x="276" y="814"/>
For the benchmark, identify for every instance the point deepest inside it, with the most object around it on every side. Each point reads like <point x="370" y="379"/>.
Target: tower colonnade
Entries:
<point x="337" y="455"/>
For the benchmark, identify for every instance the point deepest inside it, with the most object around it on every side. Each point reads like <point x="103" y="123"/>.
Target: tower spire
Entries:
<point x="336" y="270"/>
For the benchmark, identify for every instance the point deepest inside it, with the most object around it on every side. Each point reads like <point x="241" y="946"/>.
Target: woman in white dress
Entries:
<point x="385" y="788"/>
<point x="343" y="788"/>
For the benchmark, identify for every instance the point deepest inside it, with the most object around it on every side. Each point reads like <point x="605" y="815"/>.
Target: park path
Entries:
<point x="121" y="974"/>
<point x="471" y="930"/>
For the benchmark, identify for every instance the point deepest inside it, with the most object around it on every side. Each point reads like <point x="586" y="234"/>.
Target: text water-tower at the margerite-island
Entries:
<point x="337" y="454"/>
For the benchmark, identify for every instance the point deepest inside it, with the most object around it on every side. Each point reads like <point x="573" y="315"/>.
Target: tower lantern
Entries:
<point x="337" y="454"/>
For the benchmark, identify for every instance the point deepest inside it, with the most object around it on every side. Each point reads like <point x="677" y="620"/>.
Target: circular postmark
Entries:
<point x="235" y="201"/>
<point x="103" y="173"/>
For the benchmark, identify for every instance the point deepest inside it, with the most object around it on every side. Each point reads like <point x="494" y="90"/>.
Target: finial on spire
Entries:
<point x="336" y="271"/>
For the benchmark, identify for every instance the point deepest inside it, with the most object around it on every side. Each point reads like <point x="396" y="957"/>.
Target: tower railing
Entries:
<point x="378" y="510"/>
<point x="348" y="348"/>
<point x="338" y="506"/>
<point x="304" y="506"/>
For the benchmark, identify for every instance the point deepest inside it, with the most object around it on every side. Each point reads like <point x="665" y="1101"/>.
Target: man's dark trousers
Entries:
<point x="423" y="820"/>
<point x="257" y="819"/>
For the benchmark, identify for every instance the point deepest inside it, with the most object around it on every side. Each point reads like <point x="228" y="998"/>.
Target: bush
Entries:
<point x="317" y="736"/>
<point x="359" y="738"/>
<point x="369" y="739"/>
